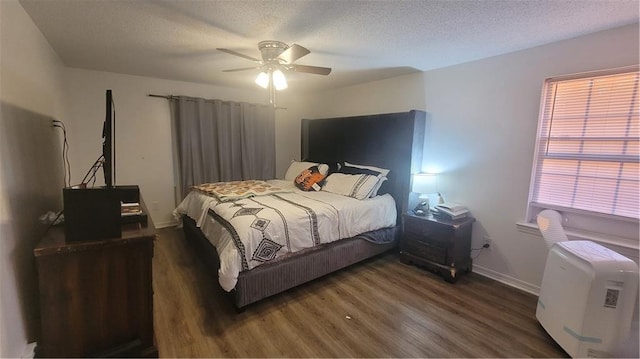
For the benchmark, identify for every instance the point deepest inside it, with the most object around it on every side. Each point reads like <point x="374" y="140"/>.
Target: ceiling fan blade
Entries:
<point x="242" y="69"/>
<point x="293" y="53"/>
<point x="311" y="69"/>
<point x="238" y="54"/>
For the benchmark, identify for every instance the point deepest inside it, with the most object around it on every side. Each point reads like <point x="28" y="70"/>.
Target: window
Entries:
<point x="586" y="163"/>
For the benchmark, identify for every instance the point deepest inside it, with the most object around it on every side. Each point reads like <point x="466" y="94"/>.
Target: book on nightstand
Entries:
<point x="452" y="211"/>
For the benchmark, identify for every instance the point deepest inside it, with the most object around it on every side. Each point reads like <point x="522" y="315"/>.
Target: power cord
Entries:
<point x="484" y="246"/>
<point x="53" y="222"/>
<point x="65" y="153"/>
<point x="91" y="174"/>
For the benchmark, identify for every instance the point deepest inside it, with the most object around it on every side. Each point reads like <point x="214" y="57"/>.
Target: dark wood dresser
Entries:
<point x="437" y="243"/>
<point x="96" y="297"/>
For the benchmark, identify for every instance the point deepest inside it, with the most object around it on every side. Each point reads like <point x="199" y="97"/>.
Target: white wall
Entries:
<point x="484" y="119"/>
<point x="143" y="130"/>
<point x="30" y="167"/>
<point x="397" y="94"/>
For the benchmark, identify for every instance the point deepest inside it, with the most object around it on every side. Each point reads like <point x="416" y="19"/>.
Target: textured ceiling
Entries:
<point x="361" y="40"/>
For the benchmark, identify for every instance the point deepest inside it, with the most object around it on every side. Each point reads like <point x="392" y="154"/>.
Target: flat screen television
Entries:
<point x="108" y="142"/>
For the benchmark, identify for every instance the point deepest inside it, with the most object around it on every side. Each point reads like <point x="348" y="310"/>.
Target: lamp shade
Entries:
<point x="279" y="81"/>
<point x="263" y="80"/>
<point x="424" y="182"/>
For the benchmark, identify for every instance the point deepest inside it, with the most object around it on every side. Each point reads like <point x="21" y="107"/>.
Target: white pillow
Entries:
<point x="383" y="171"/>
<point x="357" y="186"/>
<point x="376" y="188"/>
<point x="296" y="167"/>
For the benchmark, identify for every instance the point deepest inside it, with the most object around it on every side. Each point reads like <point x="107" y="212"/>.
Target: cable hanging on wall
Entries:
<point x="65" y="152"/>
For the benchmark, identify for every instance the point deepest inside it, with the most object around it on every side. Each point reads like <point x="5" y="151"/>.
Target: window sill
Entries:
<point x="531" y="228"/>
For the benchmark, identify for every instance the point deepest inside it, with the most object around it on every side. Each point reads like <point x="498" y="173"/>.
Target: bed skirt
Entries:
<point x="272" y="278"/>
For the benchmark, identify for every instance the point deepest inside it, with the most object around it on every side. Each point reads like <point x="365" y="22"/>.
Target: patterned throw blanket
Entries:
<point x="267" y="227"/>
<point x="231" y="191"/>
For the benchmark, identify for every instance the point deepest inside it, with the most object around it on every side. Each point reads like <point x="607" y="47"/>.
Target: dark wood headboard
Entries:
<point x="393" y="140"/>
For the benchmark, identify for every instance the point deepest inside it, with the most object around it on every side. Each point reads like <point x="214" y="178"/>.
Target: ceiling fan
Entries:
<point x="276" y="58"/>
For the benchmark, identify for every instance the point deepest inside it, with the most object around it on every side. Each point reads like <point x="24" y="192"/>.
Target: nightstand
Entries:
<point x="437" y="243"/>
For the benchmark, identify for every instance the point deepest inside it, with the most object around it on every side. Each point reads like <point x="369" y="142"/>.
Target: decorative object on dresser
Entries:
<point x="393" y="142"/>
<point x="437" y="243"/>
<point x="96" y="297"/>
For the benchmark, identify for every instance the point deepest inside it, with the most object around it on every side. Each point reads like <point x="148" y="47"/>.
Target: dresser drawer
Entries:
<point x="430" y="251"/>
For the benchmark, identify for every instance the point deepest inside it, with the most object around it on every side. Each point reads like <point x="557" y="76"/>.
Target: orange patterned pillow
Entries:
<point x="309" y="179"/>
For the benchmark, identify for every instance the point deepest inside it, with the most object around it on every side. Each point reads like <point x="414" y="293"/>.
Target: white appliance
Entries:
<point x="587" y="298"/>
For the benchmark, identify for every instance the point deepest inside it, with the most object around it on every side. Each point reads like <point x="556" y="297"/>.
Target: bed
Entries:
<point x="392" y="141"/>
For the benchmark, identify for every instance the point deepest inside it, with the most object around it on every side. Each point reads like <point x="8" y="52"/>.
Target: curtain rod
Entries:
<point x="169" y="97"/>
<point x="161" y="96"/>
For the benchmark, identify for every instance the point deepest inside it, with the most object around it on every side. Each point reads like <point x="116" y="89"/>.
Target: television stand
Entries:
<point x="96" y="296"/>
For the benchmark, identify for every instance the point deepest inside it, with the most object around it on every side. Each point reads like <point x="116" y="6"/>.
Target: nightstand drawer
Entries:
<point x="430" y="238"/>
<point x="427" y="251"/>
<point x="418" y="227"/>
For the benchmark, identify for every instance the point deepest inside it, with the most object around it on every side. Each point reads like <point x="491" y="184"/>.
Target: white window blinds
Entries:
<point x="588" y="145"/>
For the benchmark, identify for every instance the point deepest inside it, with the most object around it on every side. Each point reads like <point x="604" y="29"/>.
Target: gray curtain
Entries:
<point x="216" y="141"/>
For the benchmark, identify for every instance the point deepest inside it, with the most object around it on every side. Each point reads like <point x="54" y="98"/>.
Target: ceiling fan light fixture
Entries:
<point x="263" y="80"/>
<point x="279" y="81"/>
<point x="276" y="57"/>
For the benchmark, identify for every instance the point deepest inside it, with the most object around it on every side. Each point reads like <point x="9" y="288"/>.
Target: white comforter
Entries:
<point x="252" y="231"/>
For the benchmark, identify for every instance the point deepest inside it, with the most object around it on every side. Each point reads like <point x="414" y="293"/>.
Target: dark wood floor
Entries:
<point x="379" y="308"/>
